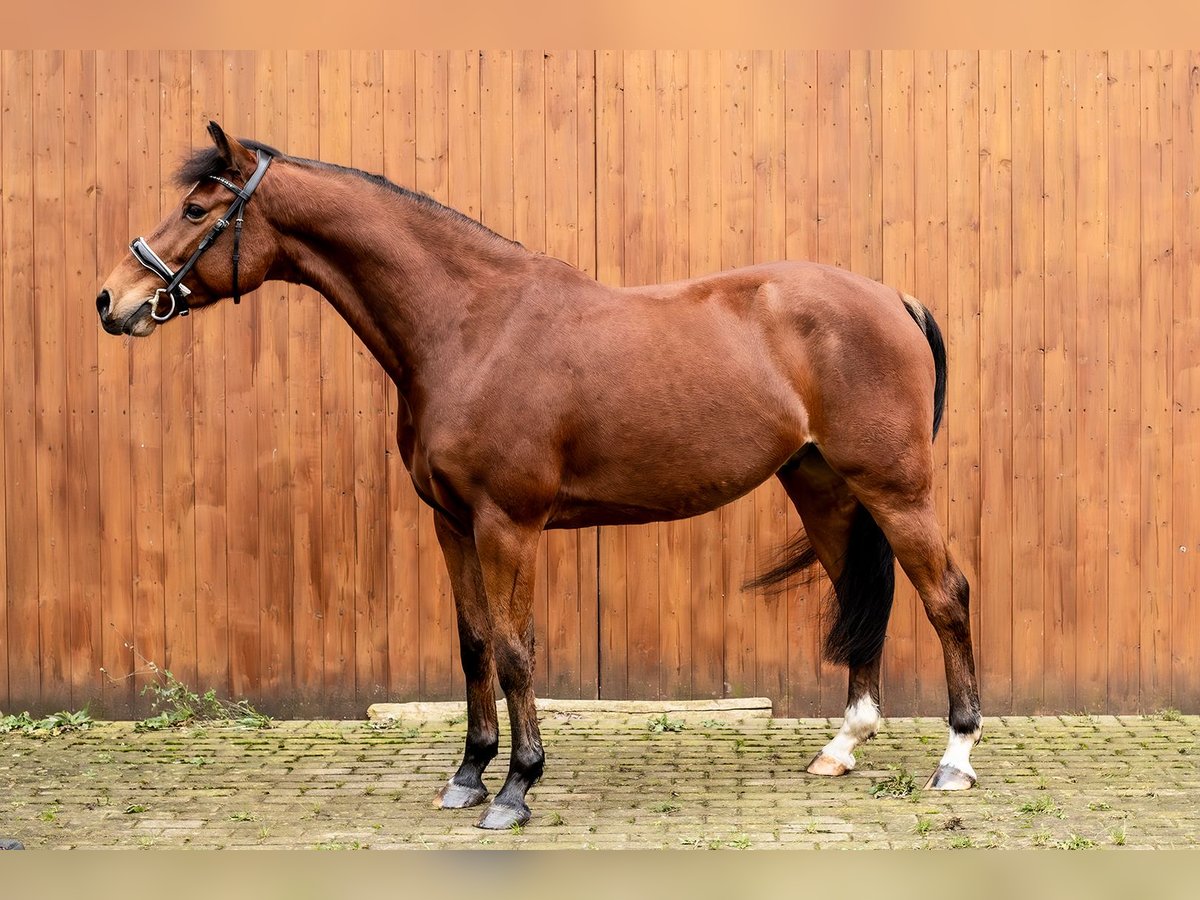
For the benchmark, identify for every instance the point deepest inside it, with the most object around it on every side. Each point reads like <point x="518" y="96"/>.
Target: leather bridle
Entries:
<point x="175" y="289"/>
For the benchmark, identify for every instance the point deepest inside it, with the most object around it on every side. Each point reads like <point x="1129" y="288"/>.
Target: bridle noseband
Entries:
<point x="175" y="288"/>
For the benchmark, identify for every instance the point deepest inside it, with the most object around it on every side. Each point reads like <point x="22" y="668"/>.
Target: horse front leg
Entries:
<point x="506" y="554"/>
<point x="466" y="788"/>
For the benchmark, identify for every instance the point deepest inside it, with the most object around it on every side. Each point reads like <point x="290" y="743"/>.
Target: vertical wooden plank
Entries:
<point x="4" y="279"/>
<point x="83" y="460"/>
<point x="800" y="184"/>
<point x="529" y="229"/>
<point x="438" y="629"/>
<point x="899" y="271"/>
<point x="145" y="397"/>
<point x="962" y="422"/>
<point x="705" y="155"/>
<point x="1028" y="382"/>
<point x="768" y="239"/>
<point x="1092" y="335"/>
<point x="241" y="427"/>
<point x="641" y="541"/>
<point x="20" y="451"/>
<point x="930" y="161"/>
<point x="49" y="385"/>
<point x="370" y="437"/>
<point x="834" y="247"/>
<point x="304" y="391"/>
<point x="671" y="200"/>
<point x="866" y="163"/>
<point x="5" y="276"/>
<point x="1124" y="381"/>
<point x="588" y="244"/>
<point x="1157" y="186"/>
<point x="116" y="519"/>
<point x="208" y="437"/>
<point x="177" y="131"/>
<point x="610" y="264"/>
<point x="996" y="381"/>
<point x="337" y="431"/>
<point x="271" y="378"/>
<point x="1185" y="374"/>
<point x="737" y="222"/>
<point x="463" y="189"/>
<point x="1060" y="583"/>
<point x="561" y="657"/>
<point x="403" y="573"/>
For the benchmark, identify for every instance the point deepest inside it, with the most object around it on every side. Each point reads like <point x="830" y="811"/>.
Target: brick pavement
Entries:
<point x="610" y="782"/>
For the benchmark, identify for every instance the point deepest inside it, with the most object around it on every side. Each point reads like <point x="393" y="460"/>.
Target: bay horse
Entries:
<point x="534" y="397"/>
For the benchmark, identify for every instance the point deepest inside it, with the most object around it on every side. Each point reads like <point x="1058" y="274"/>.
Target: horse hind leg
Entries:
<point x="858" y="560"/>
<point x="912" y="530"/>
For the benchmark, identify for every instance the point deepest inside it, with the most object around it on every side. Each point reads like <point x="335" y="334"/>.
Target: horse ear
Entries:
<point x="235" y="155"/>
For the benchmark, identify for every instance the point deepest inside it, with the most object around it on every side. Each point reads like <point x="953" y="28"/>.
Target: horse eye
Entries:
<point x="194" y="212"/>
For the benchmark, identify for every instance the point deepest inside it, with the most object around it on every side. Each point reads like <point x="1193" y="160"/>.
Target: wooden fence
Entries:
<point x="225" y="500"/>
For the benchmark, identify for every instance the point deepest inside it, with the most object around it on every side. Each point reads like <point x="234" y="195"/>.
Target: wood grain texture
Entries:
<point x="227" y="500"/>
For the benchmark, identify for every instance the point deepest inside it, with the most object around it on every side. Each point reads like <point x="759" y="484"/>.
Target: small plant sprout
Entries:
<point x="1042" y="806"/>
<point x="661" y="723"/>
<point x="899" y="784"/>
<point x="58" y="723"/>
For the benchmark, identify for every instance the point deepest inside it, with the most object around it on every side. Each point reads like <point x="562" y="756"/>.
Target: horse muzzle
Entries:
<point x="138" y="322"/>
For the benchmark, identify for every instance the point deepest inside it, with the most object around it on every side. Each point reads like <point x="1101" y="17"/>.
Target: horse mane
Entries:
<point x="209" y="162"/>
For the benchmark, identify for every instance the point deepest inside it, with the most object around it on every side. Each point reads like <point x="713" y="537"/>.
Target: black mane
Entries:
<point x="208" y="162"/>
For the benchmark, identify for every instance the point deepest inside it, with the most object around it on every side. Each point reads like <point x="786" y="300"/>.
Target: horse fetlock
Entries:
<point x="482" y="748"/>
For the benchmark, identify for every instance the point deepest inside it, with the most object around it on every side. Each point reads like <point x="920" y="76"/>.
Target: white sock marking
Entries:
<point x="958" y="751"/>
<point x="862" y="719"/>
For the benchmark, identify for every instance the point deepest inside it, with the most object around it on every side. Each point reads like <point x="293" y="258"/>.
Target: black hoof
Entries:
<point x="498" y="817"/>
<point x="455" y="796"/>
<point x="948" y="778"/>
<point x="10" y="844"/>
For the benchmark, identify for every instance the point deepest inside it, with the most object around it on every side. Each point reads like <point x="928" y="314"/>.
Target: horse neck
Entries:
<point x="404" y="273"/>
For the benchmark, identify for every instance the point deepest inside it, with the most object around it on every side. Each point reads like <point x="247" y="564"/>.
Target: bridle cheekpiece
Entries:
<point x="175" y="289"/>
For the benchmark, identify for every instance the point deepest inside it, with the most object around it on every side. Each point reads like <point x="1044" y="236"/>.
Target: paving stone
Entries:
<point x="735" y="783"/>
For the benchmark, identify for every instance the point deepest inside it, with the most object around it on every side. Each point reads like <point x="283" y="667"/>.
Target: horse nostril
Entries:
<point x="103" y="301"/>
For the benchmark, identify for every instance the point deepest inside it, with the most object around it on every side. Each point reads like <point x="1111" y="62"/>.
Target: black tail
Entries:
<point x="933" y="334"/>
<point x="861" y="600"/>
<point x="863" y="595"/>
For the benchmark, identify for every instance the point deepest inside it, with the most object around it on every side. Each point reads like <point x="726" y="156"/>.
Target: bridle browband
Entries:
<point x="175" y="289"/>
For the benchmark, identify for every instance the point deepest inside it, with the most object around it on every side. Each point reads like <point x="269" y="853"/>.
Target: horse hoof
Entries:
<point x="948" y="778"/>
<point x="499" y="816"/>
<point x="827" y="765"/>
<point x="10" y="844"/>
<point x="455" y="796"/>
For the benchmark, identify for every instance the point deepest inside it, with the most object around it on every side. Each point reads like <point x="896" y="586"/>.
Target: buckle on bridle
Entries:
<point x="178" y="292"/>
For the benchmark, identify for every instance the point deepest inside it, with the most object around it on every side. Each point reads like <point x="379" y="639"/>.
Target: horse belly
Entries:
<point x="649" y="476"/>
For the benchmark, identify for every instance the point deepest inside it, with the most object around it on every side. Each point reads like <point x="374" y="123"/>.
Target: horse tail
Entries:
<point x="862" y="595"/>
<point x="861" y="599"/>
<point x="795" y="559"/>
<point x="925" y="321"/>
